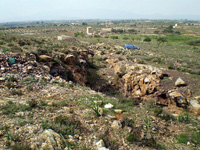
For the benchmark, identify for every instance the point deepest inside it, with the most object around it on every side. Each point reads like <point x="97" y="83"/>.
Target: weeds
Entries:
<point x="32" y="103"/>
<point x="60" y="104"/>
<point x="29" y="80"/>
<point x="12" y="108"/>
<point x="94" y="105"/>
<point x="184" y="118"/>
<point x="63" y="125"/>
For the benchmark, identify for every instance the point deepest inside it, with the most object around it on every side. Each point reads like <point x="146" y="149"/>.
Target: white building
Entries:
<point x="63" y="37"/>
<point x="89" y="31"/>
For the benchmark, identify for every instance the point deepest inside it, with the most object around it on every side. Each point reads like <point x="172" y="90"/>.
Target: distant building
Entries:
<point x="75" y="24"/>
<point x="89" y="31"/>
<point x="63" y="37"/>
<point x="106" y="29"/>
<point x="175" y="26"/>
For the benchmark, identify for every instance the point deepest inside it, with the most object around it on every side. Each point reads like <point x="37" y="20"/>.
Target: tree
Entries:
<point x="84" y="23"/>
<point x="169" y="29"/>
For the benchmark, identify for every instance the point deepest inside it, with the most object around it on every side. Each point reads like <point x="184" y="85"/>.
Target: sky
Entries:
<point x="34" y="10"/>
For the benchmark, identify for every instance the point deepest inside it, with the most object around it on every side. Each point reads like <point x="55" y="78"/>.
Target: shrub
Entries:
<point x="117" y="52"/>
<point x="12" y="79"/>
<point x="147" y="39"/>
<point x="169" y="29"/>
<point x="114" y="37"/>
<point x="1" y="43"/>
<point x="161" y="40"/>
<point x="171" y="67"/>
<point x="77" y="34"/>
<point x="125" y="38"/>
<point x="43" y="103"/>
<point x="194" y="43"/>
<point x="32" y="103"/>
<point x="157" y="110"/>
<point x="156" y="32"/>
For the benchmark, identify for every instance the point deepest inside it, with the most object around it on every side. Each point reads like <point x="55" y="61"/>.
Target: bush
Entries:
<point x="147" y="39"/>
<point x="161" y="40"/>
<point x="77" y="34"/>
<point x="157" y="110"/>
<point x="1" y="43"/>
<point x="156" y="32"/>
<point x="194" y="43"/>
<point x="169" y="29"/>
<point x="125" y="38"/>
<point x="114" y="37"/>
<point x="32" y="103"/>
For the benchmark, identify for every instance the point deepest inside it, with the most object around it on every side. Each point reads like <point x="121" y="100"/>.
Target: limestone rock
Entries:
<point x="46" y="68"/>
<point x="195" y="106"/>
<point x="51" y="140"/>
<point x="44" y="57"/>
<point x="2" y="79"/>
<point x="100" y="111"/>
<point x="179" y="82"/>
<point x="118" y="111"/>
<point x="116" y="124"/>
<point x="99" y="144"/>
<point x="103" y="148"/>
<point x="180" y="100"/>
<point x="70" y="59"/>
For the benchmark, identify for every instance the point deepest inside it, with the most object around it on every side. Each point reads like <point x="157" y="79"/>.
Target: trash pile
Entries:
<point x="44" y="66"/>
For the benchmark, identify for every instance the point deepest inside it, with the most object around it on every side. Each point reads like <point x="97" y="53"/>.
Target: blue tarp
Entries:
<point x="131" y="46"/>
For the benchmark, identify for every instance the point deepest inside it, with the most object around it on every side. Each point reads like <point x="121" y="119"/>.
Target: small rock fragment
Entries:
<point x="118" y="111"/>
<point x="2" y="79"/>
<point x="116" y="124"/>
<point x="100" y="144"/>
<point x="179" y="82"/>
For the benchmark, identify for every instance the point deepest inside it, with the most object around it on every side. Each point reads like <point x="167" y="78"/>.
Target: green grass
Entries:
<point x="63" y="125"/>
<point x="11" y="108"/>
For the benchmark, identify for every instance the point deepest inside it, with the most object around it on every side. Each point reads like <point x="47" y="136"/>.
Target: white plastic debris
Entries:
<point x="109" y="105"/>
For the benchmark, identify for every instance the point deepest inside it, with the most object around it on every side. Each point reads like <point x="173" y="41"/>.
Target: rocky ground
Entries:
<point x="94" y="97"/>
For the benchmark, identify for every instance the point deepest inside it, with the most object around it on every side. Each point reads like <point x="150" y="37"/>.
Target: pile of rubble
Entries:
<point x="14" y="65"/>
<point x="137" y="79"/>
<point x="143" y="81"/>
<point x="43" y="65"/>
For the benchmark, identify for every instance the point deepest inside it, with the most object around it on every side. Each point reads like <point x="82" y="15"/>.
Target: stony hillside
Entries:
<point x="94" y="97"/>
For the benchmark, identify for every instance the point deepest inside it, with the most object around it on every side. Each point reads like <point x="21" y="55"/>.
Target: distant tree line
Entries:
<point x="124" y="31"/>
<point x="169" y="29"/>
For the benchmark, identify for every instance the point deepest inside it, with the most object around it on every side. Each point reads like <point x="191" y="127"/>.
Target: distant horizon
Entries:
<point x="34" y="10"/>
<point x="97" y="19"/>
